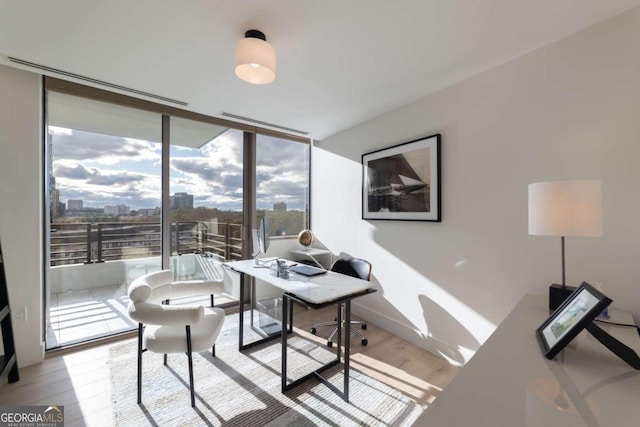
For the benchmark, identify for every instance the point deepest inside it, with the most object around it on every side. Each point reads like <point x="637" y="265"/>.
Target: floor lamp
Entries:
<point x="565" y="208"/>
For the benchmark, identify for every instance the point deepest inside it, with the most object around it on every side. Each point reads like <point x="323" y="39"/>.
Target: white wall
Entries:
<point x="21" y="212"/>
<point x="567" y="111"/>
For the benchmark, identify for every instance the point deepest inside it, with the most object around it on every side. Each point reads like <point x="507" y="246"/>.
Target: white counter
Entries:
<point x="509" y="382"/>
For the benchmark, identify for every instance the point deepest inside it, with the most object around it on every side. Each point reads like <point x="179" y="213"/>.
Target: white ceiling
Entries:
<point x="340" y="62"/>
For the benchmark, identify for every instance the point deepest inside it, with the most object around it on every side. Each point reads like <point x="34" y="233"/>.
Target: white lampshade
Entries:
<point x="565" y="208"/>
<point x="255" y="59"/>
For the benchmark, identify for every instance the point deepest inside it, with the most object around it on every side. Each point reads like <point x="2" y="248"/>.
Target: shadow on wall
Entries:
<point x="447" y="325"/>
<point x="465" y="264"/>
<point x="440" y="323"/>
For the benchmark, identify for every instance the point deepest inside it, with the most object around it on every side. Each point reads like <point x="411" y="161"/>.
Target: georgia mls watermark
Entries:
<point x="31" y="416"/>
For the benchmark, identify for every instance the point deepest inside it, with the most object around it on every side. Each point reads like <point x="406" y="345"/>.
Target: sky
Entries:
<point x="110" y="170"/>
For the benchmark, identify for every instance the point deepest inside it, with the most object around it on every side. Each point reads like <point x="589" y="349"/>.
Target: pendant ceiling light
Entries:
<point x="255" y="58"/>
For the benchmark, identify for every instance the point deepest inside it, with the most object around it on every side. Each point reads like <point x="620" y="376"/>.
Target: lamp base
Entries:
<point x="557" y="295"/>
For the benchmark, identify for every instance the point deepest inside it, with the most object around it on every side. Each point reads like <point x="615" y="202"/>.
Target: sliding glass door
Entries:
<point x="103" y="167"/>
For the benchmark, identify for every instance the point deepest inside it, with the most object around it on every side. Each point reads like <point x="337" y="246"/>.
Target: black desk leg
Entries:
<point x="339" y="325"/>
<point x="283" y="367"/>
<point x="290" y="314"/>
<point x="343" y="313"/>
<point x="347" y="348"/>
<point x="241" y="312"/>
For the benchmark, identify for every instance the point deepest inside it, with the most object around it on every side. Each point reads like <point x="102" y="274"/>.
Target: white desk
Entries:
<point x="314" y="292"/>
<point x="509" y="382"/>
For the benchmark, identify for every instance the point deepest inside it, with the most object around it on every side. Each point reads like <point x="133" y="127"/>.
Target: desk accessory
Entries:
<point x="305" y="238"/>
<point x="307" y="270"/>
<point x="565" y="208"/>
<point x="279" y="269"/>
<point x="575" y="314"/>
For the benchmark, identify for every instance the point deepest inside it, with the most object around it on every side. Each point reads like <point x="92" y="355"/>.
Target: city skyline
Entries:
<point x="110" y="170"/>
<point x="79" y="205"/>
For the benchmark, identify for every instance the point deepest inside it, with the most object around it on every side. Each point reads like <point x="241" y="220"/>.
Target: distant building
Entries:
<point x="118" y="210"/>
<point x="55" y="203"/>
<point x="74" y="205"/>
<point x="181" y="201"/>
<point x="280" y="207"/>
<point x="85" y="212"/>
<point x="149" y="212"/>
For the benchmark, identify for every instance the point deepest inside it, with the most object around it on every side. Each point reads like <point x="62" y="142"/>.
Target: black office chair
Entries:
<point x="354" y="267"/>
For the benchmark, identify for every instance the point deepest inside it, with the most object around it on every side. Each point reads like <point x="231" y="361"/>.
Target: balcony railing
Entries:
<point x="76" y="243"/>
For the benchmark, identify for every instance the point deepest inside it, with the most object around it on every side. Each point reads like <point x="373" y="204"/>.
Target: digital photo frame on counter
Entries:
<point x="576" y="313"/>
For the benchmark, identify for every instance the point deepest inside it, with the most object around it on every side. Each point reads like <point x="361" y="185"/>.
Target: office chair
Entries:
<point x="354" y="267"/>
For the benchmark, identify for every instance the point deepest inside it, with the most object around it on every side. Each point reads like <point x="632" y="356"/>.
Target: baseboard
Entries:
<point x="454" y="355"/>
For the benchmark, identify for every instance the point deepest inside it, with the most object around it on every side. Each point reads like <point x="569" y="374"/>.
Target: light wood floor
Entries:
<point x="79" y="378"/>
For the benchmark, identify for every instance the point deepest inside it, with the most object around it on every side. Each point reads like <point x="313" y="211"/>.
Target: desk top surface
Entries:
<point x="316" y="290"/>
<point x="508" y="382"/>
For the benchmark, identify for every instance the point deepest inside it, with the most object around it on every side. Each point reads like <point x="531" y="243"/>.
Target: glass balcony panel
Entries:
<point x="206" y="198"/>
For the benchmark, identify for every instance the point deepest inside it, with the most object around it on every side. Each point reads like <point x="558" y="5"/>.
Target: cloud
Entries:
<point x="103" y="149"/>
<point x="102" y="169"/>
<point x="286" y="189"/>
<point x="224" y="177"/>
<point x="78" y="171"/>
<point x="75" y="171"/>
<point x="274" y="152"/>
<point x="117" y="178"/>
<point x="197" y="167"/>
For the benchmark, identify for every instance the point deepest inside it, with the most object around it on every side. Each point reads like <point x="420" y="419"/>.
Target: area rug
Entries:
<point x="243" y="388"/>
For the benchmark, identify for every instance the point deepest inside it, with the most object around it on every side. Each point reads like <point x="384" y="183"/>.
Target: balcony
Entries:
<point x="92" y="265"/>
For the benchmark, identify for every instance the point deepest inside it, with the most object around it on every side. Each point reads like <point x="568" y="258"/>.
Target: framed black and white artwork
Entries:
<point x="403" y="182"/>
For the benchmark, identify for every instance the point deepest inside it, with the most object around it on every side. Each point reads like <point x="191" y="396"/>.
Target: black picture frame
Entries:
<point x="402" y="182"/>
<point x="572" y="316"/>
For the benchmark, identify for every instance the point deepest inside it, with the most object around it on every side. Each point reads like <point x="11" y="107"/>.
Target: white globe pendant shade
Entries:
<point x="255" y="59"/>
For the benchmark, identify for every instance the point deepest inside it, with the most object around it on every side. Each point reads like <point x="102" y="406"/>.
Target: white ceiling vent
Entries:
<point x="51" y="70"/>
<point x="260" y="122"/>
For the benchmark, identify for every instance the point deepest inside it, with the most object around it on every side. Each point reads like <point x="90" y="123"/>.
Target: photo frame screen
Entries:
<point x="578" y="310"/>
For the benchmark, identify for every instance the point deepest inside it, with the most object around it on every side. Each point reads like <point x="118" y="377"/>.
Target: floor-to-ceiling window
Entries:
<point x="113" y="163"/>
<point x="103" y="170"/>
<point x="282" y="184"/>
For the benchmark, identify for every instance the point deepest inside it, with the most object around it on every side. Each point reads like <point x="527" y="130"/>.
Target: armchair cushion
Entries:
<point x="159" y="286"/>
<point x="168" y="315"/>
<point x="142" y="287"/>
<point x="172" y="339"/>
<point x="139" y="291"/>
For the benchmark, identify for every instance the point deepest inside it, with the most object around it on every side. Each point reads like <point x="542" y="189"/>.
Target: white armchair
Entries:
<point x="166" y="329"/>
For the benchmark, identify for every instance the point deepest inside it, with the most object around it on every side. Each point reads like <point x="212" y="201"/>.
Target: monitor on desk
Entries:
<point x="260" y="239"/>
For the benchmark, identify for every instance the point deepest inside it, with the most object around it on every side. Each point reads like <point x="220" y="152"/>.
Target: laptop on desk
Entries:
<point x="307" y="270"/>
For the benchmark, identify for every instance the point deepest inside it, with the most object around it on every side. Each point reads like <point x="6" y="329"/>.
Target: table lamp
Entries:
<point x="565" y="208"/>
